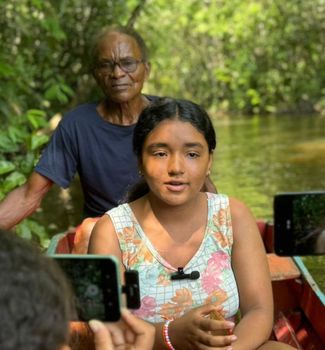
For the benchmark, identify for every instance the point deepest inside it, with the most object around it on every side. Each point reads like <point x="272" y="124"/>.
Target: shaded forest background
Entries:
<point x="239" y="56"/>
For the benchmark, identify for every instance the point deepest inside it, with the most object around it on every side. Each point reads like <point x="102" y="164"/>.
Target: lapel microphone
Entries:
<point x="181" y="275"/>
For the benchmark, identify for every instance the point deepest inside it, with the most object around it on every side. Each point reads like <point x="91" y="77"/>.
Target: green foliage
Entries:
<point x="244" y="56"/>
<point x="251" y="56"/>
<point x="21" y="140"/>
<point x="43" y="70"/>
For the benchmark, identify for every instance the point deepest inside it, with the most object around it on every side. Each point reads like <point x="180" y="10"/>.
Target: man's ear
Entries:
<point x="147" y="67"/>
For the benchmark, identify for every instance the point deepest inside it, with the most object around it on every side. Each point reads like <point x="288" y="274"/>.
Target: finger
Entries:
<point x="206" y="309"/>
<point x="116" y="330"/>
<point x="144" y="332"/>
<point x="137" y="325"/>
<point x="208" y="325"/>
<point x="213" y="341"/>
<point x="102" y="337"/>
<point x="129" y="336"/>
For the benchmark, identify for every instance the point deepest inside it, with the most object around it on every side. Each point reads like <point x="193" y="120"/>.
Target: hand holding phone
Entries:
<point x="130" y="332"/>
<point x="95" y="280"/>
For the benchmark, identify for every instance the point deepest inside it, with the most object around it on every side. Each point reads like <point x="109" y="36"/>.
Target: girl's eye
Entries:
<point x="193" y="155"/>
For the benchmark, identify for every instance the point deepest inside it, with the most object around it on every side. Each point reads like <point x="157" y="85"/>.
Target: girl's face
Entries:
<point x="175" y="161"/>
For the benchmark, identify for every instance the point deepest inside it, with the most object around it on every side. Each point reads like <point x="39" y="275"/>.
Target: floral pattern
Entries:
<point x="166" y="299"/>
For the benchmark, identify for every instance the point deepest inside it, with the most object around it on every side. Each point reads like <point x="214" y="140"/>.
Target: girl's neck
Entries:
<point x="168" y="213"/>
<point x="180" y="221"/>
<point x="176" y="232"/>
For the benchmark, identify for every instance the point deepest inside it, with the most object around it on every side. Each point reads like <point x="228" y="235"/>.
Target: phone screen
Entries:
<point x="95" y="282"/>
<point x="299" y="223"/>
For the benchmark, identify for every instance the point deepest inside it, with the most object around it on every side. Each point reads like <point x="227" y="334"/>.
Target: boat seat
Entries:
<point x="282" y="268"/>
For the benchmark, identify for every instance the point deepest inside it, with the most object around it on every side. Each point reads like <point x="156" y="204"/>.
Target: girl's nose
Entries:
<point x="175" y="165"/>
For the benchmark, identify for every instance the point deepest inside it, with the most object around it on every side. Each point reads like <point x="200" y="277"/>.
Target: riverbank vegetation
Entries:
<point x="247" y="57"/>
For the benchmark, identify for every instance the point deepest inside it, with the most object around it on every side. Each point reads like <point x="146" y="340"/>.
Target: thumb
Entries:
<point x="102" y="337"/>
<point x="137" y="325"/>
<point x="144" y="332"/>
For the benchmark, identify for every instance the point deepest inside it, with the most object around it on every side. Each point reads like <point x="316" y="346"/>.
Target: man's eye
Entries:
<point x="159" y="154"/>
<point x="104" y="65"/>
<point x="127" y="62"/>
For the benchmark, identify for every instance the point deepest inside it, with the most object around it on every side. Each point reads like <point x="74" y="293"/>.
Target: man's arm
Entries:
<point x="24" y="200"/>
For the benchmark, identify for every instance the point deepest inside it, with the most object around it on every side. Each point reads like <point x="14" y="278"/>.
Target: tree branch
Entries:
<point x="136" y="13"/>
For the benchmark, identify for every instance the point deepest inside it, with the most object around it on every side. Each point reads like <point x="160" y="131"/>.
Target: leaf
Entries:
<point x="37" y="118"/>
<point x="27" y="163"/>
<point x="53" y="26"/>
<point x="12" y="181"/>
<point x="17" y="134"/>
<point x="37" y="3"/>
<point x="23" y="230"/>
<point x="59" y="91"/>
<point x="38" y="140"/>
<point x="6" y="144"/>
<point x="65" y="88"/>
<point x="6" y="167"/>
<point x="6" y="71"/>
<point x="29" y="228"/>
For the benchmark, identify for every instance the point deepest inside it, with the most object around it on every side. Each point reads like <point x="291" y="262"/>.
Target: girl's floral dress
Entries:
<point x="164" y="299"/>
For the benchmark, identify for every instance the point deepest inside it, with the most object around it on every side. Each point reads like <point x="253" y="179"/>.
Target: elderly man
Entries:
<point x="94" y="139"/>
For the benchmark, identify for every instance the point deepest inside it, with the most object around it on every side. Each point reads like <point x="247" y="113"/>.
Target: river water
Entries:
<point x="256" y="157"/>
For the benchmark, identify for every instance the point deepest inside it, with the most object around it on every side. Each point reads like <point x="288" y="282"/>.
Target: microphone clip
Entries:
<point x="181" y="275"/>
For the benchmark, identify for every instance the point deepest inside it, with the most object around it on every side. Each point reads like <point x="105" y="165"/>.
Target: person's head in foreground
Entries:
<point x="35" y="299"/>
<point x="36" y="305"/>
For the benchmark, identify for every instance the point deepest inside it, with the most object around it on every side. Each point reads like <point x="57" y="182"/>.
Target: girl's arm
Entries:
<point x="103" y="240"/>
<point x="253" y="279"/>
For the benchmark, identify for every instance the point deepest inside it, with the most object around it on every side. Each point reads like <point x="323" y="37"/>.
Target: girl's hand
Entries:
<point x="196" y="330"/>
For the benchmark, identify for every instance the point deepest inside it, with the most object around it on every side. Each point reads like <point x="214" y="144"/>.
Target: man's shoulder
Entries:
<point x="86" y="111"/>
<point x="81" y="109"/>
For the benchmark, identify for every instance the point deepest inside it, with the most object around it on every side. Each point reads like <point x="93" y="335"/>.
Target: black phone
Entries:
<point x="299" y="223"/>
<point x="95" y="280"/>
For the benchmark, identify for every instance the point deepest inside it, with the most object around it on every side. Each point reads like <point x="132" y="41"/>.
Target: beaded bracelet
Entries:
<point x="166" y="336"/>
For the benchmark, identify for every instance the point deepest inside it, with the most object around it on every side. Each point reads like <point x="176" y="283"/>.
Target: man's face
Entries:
<point x="117" y="84"/>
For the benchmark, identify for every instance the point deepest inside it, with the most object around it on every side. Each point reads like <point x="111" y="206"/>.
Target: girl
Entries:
<point x="199" y="255"/>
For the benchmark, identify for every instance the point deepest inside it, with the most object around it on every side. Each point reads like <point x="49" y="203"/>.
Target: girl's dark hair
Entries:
<point x="93" y="57"/>
<point x="172" y="109"/>
<point x="168" y="108"/>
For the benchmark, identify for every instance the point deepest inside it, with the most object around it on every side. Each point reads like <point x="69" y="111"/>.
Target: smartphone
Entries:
<point x="95" y="280"/>
<point x="299" y="223"/>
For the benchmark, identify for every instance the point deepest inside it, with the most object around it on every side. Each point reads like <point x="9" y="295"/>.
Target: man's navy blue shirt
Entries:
<point x="99" y="151"/>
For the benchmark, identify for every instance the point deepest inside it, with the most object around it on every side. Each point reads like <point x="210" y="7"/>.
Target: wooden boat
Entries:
<point x="299" y="304"/>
